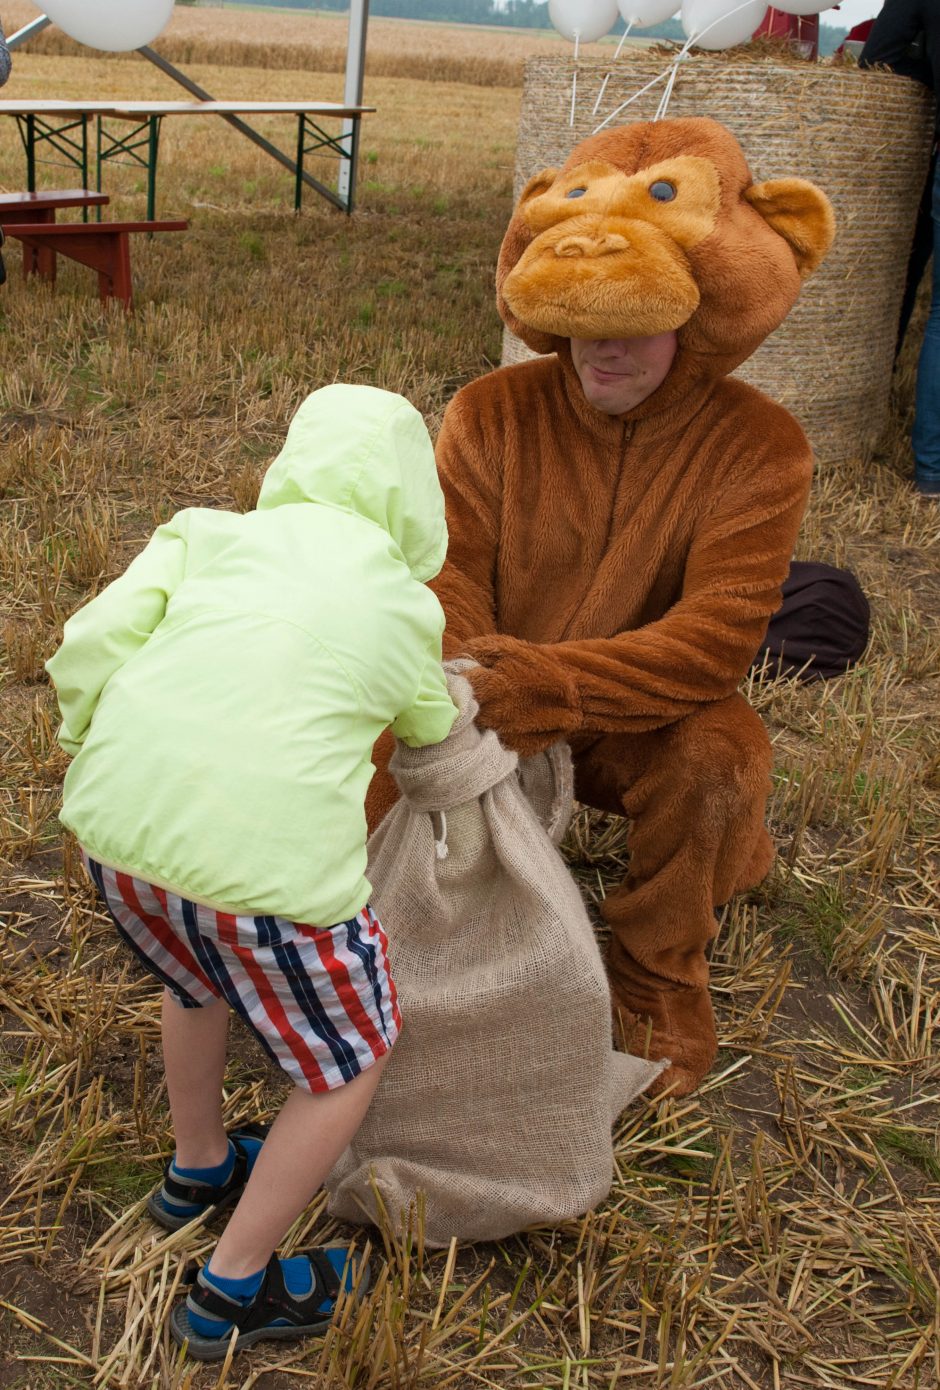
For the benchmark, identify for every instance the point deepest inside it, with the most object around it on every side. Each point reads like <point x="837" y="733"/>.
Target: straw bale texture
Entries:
<point x="863" y="137"/>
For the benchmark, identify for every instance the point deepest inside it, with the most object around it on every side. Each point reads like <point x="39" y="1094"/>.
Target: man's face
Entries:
<point x="616" y="374"/>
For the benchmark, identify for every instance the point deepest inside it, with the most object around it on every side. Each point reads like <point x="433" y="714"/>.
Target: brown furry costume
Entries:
<point x="614" y="575"/>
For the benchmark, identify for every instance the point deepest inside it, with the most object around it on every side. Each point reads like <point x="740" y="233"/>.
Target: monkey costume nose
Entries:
<point x="583" y="244"/>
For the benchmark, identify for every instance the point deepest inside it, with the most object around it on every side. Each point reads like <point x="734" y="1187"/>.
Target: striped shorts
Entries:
<point x="320" y="1000"/>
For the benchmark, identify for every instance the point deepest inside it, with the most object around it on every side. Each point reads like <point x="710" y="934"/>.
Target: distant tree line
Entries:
<point x="513" y="14"/>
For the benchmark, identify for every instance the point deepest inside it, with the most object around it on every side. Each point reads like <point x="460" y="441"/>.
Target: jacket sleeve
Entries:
<point x="469" y="467"/>
<point x="533" y="694"/>
<point x="430" y="717"/>
<point x="103" y="635"/>
<point x="892" y="41"/>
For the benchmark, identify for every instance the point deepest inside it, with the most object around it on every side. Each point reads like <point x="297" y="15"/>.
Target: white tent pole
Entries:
<point x="352" y="96"/>
<point x="28" y="31"/>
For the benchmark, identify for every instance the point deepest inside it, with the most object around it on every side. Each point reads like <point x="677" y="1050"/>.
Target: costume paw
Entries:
<point x="524" y="693"/>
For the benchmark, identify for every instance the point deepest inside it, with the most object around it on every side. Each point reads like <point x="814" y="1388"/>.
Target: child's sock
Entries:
<point x="298" y="1280"/>
<point x="213" y="1177"/>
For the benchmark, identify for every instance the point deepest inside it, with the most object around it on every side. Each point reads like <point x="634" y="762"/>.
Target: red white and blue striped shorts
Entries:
<point x="320" y="1000"/>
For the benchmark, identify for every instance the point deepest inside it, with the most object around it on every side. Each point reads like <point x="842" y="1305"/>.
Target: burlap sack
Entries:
<point x="498" y="1099"/>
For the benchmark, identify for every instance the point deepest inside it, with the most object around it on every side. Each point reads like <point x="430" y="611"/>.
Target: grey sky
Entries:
<point x="851" y="12"/>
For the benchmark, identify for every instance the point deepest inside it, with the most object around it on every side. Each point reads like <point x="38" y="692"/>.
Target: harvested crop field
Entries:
<point x="779" y="1230"/>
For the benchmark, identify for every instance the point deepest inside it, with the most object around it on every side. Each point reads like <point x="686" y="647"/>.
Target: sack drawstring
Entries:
<point x="440" y="846"/>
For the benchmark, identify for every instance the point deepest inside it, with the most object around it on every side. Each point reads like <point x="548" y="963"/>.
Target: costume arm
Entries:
<point x="533" y="694"/>
<point x="430" y="717"/>
<point x="103" y="635"/>
<point x="892" y="38"/>
<point x="469" y="470"/>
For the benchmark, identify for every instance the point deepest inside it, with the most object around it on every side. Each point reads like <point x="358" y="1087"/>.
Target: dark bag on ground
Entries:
<point x="820" y="630"/>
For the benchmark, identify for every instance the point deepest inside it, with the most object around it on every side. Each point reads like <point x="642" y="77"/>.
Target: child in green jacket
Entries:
<point x="222" y="699"/>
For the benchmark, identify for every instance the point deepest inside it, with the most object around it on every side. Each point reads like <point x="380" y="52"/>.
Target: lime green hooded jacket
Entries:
<point x="223" y="696"/>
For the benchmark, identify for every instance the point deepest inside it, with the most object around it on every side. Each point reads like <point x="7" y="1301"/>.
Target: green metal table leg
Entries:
<point x="98" y="168"/>
<point x="299" y="180"/>
<point x="152" y="151"/>
<point x="85" y="165"/>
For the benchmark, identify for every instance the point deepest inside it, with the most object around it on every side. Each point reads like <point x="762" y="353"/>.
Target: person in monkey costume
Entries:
<point x="622" y="515"/>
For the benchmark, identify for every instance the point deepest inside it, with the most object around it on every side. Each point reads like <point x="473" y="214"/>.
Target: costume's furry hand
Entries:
<point x="524" y="693"/>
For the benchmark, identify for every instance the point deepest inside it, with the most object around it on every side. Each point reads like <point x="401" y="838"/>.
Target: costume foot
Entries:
<point x="289" y="1299"/>
<point x="657" y="1019"/>
<point x="190" y="1192"/>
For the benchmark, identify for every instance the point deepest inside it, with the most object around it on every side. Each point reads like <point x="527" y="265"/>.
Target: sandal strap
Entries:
<point x="325" y="1277"/>
<point x="273" y="1301"/>
<point x="208" y="1194"/>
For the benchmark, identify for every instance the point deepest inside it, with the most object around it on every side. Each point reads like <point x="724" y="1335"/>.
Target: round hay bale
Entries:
<point x="863" y="137"/>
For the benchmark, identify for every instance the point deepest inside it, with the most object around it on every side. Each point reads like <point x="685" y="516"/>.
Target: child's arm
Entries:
<point x="433" y="712"/>
<point x="103" y="635"/>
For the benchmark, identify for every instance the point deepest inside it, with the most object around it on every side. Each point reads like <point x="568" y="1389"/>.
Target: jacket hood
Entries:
<point x="655" y="227"/>
<point x="368" y="452"/>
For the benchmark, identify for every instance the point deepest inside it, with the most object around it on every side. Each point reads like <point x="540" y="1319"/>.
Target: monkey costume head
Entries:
<point x="659" y="227"/>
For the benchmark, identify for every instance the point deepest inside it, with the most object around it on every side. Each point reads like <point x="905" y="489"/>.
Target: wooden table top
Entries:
<point x="52" y="198"/>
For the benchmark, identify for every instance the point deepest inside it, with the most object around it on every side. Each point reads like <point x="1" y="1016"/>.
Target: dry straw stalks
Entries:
<point x="781" y="1229"/>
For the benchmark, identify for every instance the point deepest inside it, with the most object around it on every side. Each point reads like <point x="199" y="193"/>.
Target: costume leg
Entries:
<point x="926" y="437"/>
<point x="695" y="793"/>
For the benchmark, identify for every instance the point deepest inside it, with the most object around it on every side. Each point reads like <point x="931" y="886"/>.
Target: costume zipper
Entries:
<point x="625" y="437"/>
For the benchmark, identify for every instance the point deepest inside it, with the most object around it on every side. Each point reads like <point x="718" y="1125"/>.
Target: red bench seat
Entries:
<point x="104" y="246"/>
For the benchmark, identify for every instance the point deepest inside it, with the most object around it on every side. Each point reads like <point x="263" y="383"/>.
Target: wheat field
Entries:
<point x="780" y="1229"/>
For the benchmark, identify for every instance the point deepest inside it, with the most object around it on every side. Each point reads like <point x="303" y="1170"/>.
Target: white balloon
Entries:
<point x="116" y="26"/>
<point x="802" y="6"/>
<point x="718" y="24"/>
<point x="643" y="14"/>
<point x="584" y="20"/>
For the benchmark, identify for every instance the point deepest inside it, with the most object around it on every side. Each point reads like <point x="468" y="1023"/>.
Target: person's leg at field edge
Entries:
<point x="926" y="434"/>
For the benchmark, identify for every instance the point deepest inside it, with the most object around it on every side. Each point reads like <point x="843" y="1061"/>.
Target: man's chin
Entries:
<point x="611" y="399"/>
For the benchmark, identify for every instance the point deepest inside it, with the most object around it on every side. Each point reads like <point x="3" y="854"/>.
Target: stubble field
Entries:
<point x="781" y="1228"/>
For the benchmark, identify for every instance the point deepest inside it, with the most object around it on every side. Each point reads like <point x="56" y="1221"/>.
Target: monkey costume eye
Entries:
<point x="576" y="193"/>
<point x="663" y="191"/>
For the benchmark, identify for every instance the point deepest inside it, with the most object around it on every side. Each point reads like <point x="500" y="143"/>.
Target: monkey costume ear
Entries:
<point x="799" y="212"/>
<point x="538" y="183"/>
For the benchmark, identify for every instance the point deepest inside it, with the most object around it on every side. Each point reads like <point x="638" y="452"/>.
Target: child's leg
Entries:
<point x="194" y="1042"/>
<point x="243" y="1284"/>
<point x="305" y="1141"/>
<point x="209" y="1167"/>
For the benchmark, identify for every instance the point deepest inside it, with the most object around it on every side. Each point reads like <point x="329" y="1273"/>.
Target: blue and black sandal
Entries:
<point x="184" y="1196"/>
<point x="205" y="1320"/>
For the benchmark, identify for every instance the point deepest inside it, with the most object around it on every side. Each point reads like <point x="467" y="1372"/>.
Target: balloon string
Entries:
<point x="574" y="77"/>
<point x="663" y="106"/>
<point x="684" y="53"/>
<point x="617" y="110"/>
<point x="671" y="72"/>
<point x="600" y="95"/>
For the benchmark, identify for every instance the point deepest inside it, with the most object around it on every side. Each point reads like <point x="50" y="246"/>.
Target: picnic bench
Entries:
<point x="63" y="126"/>
<point x="41" y="208"/>
<point x="104" y="246"/>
